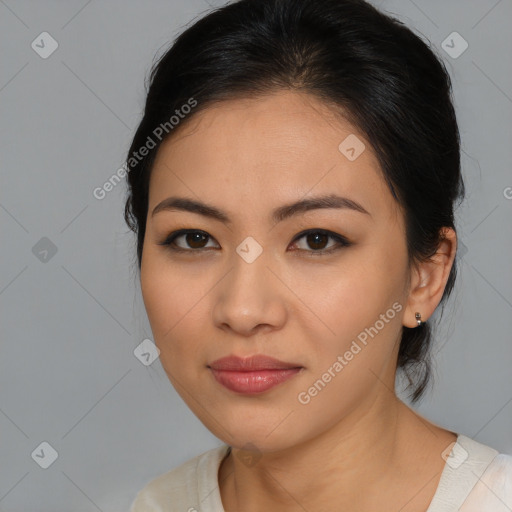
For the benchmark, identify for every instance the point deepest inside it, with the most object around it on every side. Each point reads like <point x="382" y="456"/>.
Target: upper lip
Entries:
<point x="253" y="363"/>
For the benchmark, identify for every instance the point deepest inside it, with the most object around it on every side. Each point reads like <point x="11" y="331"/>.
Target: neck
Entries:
<point x="343" y="465"/>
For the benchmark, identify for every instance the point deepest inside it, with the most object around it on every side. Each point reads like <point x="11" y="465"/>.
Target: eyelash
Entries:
<point x="342" y="241"/>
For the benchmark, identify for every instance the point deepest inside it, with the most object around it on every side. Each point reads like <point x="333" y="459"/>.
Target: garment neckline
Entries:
<point x="459" y="463"/>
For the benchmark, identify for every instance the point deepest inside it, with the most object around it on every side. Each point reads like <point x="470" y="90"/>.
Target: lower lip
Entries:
<point x="253" y="382"/>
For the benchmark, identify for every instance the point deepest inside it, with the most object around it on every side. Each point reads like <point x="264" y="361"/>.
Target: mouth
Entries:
<point x="252" y="375"/>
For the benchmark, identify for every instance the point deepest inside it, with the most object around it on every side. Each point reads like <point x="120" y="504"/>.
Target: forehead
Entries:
<point x="268" y="150"/>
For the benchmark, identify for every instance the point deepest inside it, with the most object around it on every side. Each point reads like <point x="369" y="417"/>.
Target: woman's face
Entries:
<point x="253" y="285"/>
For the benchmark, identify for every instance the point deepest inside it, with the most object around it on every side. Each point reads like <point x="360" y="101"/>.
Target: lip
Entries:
<point x="252" y="375"/>
<point x="252" y="363"/>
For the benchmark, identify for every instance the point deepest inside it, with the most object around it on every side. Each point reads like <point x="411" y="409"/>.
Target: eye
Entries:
<point x="196" y="239"/>
<point x="315" y="238"/>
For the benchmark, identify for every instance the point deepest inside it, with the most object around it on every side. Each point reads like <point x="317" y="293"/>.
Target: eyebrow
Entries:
<point x="278" y="215"/>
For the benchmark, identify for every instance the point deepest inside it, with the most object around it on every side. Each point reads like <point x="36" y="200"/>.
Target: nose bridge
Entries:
<point x="248" y="296"/>
<point x="250" y="270"/>
<point x="250" y="250"/>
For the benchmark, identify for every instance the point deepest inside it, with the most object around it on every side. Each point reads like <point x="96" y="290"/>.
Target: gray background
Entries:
<point x="71" y="320"/>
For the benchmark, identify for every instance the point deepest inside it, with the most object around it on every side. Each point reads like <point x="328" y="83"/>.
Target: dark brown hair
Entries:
<point x="386" y="80"/>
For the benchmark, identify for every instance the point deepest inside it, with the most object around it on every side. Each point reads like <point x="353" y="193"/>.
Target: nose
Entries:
<point x="251" y="298"/>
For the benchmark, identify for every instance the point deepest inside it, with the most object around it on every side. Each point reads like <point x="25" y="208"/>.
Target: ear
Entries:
<point x="428" y="280"/>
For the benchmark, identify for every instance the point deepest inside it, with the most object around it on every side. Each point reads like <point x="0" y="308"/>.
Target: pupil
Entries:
<point x="194" y="238"/>
<point x="313" y="243"/>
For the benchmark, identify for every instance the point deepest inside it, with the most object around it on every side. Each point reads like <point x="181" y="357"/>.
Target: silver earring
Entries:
<point x="418" y="319"/>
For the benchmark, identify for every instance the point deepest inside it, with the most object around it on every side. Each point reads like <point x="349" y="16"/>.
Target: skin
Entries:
<point x="355" y="445"/>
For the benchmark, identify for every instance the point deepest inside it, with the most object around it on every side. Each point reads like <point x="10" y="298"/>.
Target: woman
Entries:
<point x="292" y="188"/>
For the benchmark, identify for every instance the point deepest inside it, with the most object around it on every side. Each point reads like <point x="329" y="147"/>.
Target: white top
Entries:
<point x="475" y="478"/>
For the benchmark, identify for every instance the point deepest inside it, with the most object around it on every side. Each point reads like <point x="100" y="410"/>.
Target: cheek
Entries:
<point x="352" y="362"/>
<point x="360" y="320"/>
<point x="174" y="300"/>
<point x="358" y="306"/>
<point x="355" y="291"/>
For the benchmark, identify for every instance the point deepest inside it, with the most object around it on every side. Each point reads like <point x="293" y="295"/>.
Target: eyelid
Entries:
<point x="169" y="239"/>
<point x="341" y="241"/>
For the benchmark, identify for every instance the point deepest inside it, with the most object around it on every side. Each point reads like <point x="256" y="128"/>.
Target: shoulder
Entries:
<point x="171" y="488"/>
<point x="479" y="476"/>
<point x="493" y="490"/>
<point x="498" y="477"/>
<point x="488" y="460"/>
<point x="181" y="488"/>
<point x="502" y="465"/>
